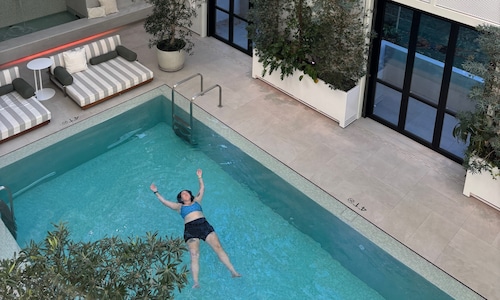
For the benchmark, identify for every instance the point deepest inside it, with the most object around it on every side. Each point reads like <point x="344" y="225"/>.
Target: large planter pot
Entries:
<point x="343" y="107"/>
<point x="171" y="61"/>
<point x="483" y="187"/>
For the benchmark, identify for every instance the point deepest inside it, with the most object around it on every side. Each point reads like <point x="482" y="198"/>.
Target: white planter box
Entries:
<point x="483" y="187"/>
<point x="343" y="107"/>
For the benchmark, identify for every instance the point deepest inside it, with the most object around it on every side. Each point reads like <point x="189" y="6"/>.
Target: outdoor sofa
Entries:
<point x="98" y="71"/>
<point x="20" y="111"/>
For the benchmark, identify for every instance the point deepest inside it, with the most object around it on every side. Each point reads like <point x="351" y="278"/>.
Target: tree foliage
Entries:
<point x="481" y="127"/>
<point x="325" y="39"/>
<point x="110" y="268"/>
<point x="169" y="24"/>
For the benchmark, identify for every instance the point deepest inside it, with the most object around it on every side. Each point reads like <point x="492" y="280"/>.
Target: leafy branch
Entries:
<point x="109" y="268"/>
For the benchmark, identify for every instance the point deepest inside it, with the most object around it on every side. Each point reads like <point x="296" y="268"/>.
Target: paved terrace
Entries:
<point x="410" y="192"/>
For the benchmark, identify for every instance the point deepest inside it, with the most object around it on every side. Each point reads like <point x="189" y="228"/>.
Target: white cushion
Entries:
<point x="109" y="6"/>
<point x="75" y="60"/>
<point x="96" y="12"/>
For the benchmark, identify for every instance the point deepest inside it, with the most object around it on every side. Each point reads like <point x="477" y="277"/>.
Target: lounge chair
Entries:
<point x="20" y="111"/>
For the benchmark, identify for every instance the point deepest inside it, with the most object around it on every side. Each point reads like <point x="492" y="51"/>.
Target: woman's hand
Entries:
<point x="153" y="187"/>
<point x="199" y="172"/>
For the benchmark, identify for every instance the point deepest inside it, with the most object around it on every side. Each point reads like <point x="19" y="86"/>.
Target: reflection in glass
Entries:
<point x="397" y="25"/>
<point x="460" y="86"/>
<point x="392" y="63"/>
<point x="222" y="24"/>
<point x="240" y="33"/>
<point x="241" y="8"/>
<point x="420" y="119"/>
<point x="432" y="44"/>
<point x="448" y="142"/>
<point x="224" y="4"/>
<point x="387" y="103"/>
<point x="461" y="81"/>
<point x="393" y="48"/>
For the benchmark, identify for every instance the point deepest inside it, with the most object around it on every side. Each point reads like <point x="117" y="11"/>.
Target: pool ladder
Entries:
<point x="181" y="127"/>
<point x="7" y="213"/>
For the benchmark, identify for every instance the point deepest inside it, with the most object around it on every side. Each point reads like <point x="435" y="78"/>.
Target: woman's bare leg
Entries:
<point x="194" y="251"/>
<point x="213" y="240"/>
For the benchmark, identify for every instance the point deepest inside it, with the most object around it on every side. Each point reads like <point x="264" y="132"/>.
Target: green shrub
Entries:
<point x="325" y="39"/>
<point x="149" y="267"/>
<point x="481" y="127"/>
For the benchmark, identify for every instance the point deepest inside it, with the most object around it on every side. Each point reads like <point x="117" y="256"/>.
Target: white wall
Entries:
<point x="470" y="12"/>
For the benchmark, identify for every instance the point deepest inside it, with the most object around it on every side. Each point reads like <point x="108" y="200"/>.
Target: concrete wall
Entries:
<point x="17" y="11"/>
<point x="79" y="7"/>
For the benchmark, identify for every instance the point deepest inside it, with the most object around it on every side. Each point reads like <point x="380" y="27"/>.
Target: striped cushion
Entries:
<point x="57" y="61"/>
<point x="7" y="75"/>
<point x="18" y="114"/>
<point x="102" y="46"/>
<point x="91" y="50"/>
<point x="106" y="79"/>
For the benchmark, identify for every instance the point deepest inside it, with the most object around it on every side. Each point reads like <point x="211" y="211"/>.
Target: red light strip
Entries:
<point x="55" y="49"/>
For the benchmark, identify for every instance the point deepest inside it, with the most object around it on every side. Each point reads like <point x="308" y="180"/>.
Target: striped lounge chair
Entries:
<point x="104" y="80"/>
<point x="17" y="114"/>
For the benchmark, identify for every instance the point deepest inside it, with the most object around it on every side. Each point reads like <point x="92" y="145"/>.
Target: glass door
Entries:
<point x="228" y="20"/>
<point x="417" y="83"/>
<point x="425" y="79"/>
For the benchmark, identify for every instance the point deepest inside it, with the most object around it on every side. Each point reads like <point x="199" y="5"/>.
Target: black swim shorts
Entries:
<point x="198" y="228"/>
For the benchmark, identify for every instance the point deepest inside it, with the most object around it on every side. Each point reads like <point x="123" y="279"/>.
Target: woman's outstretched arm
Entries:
<point x="199" y="196"/>
<point x="169" y="204"/>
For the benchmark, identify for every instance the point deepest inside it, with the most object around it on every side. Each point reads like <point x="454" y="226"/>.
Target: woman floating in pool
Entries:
<point x="196" y="227"/>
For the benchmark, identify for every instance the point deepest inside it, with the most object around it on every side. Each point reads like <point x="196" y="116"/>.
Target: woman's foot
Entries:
<point x="235" y="274"/>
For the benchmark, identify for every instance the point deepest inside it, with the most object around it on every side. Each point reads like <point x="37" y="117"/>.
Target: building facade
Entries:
<point x="416" y="83"/>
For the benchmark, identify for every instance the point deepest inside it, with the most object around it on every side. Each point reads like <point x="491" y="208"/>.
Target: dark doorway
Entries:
<point x="228" y="20"/>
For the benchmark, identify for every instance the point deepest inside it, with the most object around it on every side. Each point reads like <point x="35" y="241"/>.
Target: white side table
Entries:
<point x="37" y="65"/>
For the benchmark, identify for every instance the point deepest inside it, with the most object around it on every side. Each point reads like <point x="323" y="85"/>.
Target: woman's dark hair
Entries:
<point x="179" y="196"/>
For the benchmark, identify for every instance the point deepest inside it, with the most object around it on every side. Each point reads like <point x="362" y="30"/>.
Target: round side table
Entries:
<point x="37" y="65"/>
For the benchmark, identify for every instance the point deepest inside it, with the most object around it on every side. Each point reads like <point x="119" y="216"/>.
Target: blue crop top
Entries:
<point x="185" y="210"/>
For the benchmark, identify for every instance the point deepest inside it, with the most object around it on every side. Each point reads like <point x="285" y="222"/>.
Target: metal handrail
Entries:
<point x="181" y="82"/>
<point x="203" y="92"/>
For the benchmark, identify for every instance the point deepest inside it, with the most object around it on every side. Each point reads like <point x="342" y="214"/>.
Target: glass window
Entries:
<point x="387" y="103"/>
<point x="432" y="44"/>
<point x="448" y="141"/>
<point x="393" y="48"/>
<point x="222" y="24"/>
<point x="224" y="4"/>
<point x="241" y="8"/>
<point x="461" y="81"/>
<point x="240" y="37"/>
<point x="420" y="119"/>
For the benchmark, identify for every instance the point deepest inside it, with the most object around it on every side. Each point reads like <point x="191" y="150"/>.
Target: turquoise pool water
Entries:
<point x="109" y="195"/>
<point x="284" y="243"/>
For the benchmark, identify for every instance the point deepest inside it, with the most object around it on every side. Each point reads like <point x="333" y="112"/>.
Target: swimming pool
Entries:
<point x="317" y="227"/>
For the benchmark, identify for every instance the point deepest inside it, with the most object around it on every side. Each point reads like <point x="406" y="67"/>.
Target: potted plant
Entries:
<point x="169" y="25"/>
<point x="480" y="128"/>
<point x="321" y="43"/>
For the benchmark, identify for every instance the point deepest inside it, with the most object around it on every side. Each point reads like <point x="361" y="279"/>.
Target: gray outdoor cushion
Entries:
<point x="23" y="88"/>
<point x="63" y="76"/>
<point x="5" y="89"/>
<point x="103" y="57"/>
<point x="126" y="53"/>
